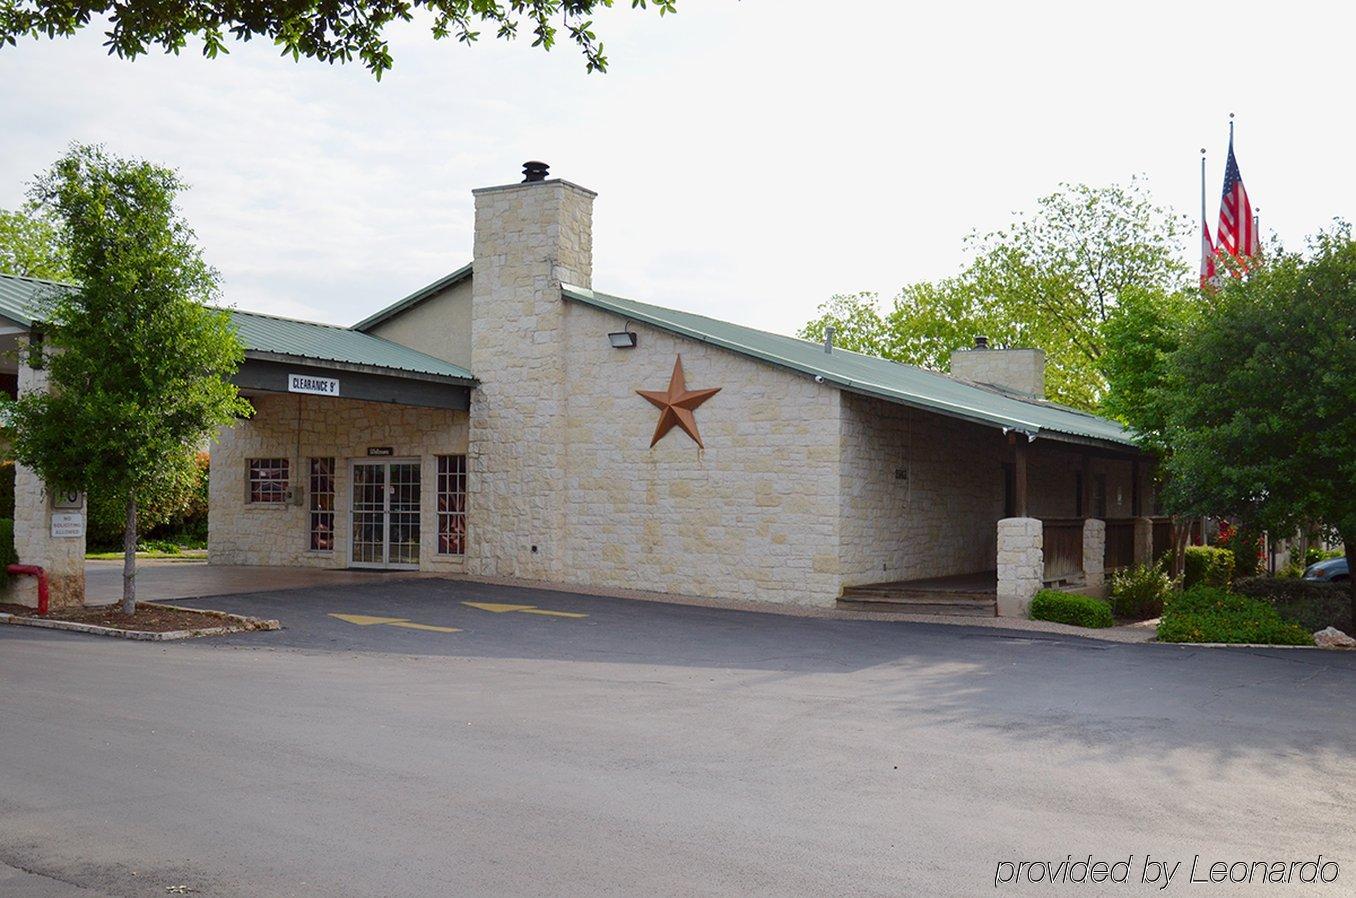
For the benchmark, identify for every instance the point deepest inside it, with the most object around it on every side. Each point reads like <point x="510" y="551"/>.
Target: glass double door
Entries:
<point x="385" y="512"/>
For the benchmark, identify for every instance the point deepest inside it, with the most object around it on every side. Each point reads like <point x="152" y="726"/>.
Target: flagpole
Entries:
<point x="1204" y="222"/>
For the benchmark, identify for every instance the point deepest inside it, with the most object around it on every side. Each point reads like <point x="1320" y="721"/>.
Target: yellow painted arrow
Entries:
<point x="364" y="620"/>
<point x="498" y="608"/>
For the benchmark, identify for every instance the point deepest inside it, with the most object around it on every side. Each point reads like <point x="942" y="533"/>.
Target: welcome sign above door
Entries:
<point x="318" y="386"/>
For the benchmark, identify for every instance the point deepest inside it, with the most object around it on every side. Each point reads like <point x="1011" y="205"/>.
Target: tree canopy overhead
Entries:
<point x="30" y="245"/>
<point x="1050" y="279"/>
<point x="331" y="31"/>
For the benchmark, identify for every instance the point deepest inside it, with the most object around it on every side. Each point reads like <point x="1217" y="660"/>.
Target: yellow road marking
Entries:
<point x="365" y="620"/>
<point x="430" y="627"/>
<point x="498" y="608"/>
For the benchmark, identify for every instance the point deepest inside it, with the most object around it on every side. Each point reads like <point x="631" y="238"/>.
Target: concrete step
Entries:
<point x="957" y="604"/>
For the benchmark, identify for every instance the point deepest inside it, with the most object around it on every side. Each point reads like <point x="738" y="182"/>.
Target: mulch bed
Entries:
<point x="147" y="617"/>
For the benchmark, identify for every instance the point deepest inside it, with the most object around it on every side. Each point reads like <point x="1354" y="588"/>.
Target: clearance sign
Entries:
<point x="319" y="386"/>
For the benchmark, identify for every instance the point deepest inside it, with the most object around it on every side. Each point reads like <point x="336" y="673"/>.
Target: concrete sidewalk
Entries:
<point x="160" y="580"/>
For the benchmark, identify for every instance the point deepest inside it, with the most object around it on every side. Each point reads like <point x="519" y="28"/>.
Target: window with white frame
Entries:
<point x="451" y="505"/>
<point x="268" y="481"/>
<point x="322" y="504"/>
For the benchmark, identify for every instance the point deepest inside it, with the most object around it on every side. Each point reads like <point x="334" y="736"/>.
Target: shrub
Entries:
<point x="1209" y="566"/>
<point x="1070" y="608"/>
<point x="8" y="554"/>
<point x="1310" y="603"/>
<point x="7" y="490"/>
<point x="1139" y="592"/>
<point x="1210" y="614"/>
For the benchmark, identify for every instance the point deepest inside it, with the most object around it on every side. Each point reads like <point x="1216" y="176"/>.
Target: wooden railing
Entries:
<point x="1120" y="543"/>
<point x="1162" y="543"/>
<point x="1063" y="547"/>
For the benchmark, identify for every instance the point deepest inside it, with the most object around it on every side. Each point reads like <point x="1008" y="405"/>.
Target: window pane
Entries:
<point x="451" y="505"/>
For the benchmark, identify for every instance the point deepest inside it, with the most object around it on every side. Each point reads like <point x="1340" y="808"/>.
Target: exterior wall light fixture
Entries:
<point x="623" y="339"/>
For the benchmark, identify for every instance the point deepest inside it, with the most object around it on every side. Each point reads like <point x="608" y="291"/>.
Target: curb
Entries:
<point x="236" y="623"/>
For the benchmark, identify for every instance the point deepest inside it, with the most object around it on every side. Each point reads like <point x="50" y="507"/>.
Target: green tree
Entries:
<point x="1050" y="279"/>
<point x="1139" y="337"/>
<point x="335" y="31"/>
<point x="1261" y="397"/>
<point x="29" y="246"/>
<point x="137" y="363"/>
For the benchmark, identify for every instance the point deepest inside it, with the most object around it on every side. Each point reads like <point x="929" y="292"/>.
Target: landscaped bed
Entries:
<point x="151" y="621"/>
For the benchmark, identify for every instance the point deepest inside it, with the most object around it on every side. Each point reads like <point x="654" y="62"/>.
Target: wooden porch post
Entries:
<point x="1019" y="444"/>
<point x="1086" y="510"/>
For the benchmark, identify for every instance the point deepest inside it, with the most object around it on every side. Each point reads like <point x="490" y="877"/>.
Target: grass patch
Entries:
<point x="1210" y="614"/>
<point x="1070" y="608"/>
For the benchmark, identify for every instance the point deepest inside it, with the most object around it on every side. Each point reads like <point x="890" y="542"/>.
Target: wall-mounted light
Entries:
<point x="623" y="339"/>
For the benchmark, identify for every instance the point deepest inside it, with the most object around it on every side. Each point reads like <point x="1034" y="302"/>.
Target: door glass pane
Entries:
<point x="404" y="510"/>
<point x="369" y="518"/>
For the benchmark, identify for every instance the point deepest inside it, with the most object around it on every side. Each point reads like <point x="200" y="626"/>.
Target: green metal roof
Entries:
<point x="414" y="298"/>
<point x="21" y="301"/>
<point x="331" y="343"/>
<point x="872" y="376"/>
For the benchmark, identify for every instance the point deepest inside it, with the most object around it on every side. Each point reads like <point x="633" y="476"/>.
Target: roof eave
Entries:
<point x="588" y="297"/>
<point x="317" y="362"/>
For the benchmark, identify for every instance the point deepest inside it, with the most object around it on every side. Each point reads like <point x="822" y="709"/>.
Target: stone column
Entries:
<point x="62" y="557"/>
<point x="1021" y="564"/>
<point x="1094" y="553"/>
<point x="529" y="238"/>
<point x="1144" y="540"/>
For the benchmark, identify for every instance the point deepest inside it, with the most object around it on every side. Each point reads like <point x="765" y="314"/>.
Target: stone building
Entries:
<point x="509" y="421"/>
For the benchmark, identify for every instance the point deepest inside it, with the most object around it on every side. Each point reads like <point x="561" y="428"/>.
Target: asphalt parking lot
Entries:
<point x="647" y="748"/>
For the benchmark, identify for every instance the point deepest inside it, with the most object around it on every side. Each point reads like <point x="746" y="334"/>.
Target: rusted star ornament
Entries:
<point x="676" y="405"/>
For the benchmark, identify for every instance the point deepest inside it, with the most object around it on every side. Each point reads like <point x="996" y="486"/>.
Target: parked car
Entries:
<point x="1333" y="570"/>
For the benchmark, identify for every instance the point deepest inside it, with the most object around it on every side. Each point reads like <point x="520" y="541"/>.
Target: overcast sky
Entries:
<point x="751" y="158"/>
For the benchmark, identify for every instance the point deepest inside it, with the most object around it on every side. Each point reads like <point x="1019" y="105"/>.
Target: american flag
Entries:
<point x="1237" y="234"/>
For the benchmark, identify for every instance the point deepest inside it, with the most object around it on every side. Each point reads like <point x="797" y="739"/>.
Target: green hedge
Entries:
<point x="1310" y="603"/>
<point x="1070" y="608"/>
<point x="1208" y="565"/>
<point x="1139" y="592"/>
<point x="8" y="554"/>
<point x="1209" y="614"/>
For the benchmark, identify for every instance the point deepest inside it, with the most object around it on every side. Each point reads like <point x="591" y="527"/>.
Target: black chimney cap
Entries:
<point x="535" y="171"/>
<point x="981" y="341"/>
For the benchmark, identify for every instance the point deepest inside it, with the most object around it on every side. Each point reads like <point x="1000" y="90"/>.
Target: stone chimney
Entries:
<point x="529" y="238"/>
<point x="1016" y="370"/>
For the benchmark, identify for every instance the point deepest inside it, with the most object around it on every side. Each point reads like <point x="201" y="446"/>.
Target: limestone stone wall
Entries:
<point x="528" y="239"/>
<point x="1020" y="564"/>
<point x="753" y="516"/>
<point x="299" y="427"/>
<point x="63" y="558"/>
<point x="1094" y="553"/>
<point x="920" y="493"/>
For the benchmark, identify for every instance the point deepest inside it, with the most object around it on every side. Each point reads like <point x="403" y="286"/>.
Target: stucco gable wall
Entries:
<point x="439" y="325"/>
<point x="754" y="516"/>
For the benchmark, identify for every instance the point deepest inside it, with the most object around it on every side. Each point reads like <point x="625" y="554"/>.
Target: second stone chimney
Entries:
<point x="1014" y="370"/>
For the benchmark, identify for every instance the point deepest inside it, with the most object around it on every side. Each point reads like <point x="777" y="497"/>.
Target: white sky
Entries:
<point x="752" y="158"/>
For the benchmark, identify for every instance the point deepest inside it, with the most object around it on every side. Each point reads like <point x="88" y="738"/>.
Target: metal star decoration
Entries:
<point x="676" y="405"/>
